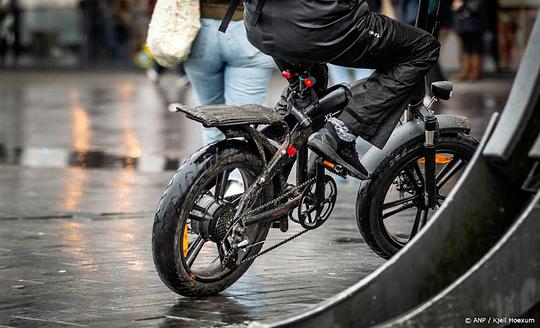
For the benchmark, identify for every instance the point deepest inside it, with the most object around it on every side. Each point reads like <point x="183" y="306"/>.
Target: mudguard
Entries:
<point x="372" y="156"/>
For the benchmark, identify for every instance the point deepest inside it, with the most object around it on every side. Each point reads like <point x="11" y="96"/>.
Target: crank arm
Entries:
<point x="319" y="187"/>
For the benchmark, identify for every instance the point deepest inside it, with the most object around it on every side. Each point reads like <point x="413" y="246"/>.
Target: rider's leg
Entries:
<point x="402" y="56"/>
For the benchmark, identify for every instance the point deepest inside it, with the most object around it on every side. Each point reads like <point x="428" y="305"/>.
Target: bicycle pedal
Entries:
<point x="334" y="168"/>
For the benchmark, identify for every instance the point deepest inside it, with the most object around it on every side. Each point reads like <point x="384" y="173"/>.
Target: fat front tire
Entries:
<point x="387" y="225"/>
<point x="198" y="180"/>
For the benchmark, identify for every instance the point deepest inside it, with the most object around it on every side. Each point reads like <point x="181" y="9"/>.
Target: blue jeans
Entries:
<point x="340" y="74"/>
<point x="226" y="69"/>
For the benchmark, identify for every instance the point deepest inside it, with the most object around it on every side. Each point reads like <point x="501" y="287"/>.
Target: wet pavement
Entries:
<point x="84" y="158"/>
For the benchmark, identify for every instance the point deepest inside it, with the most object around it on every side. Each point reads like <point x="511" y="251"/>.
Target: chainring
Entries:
<point x="312" y="213"/>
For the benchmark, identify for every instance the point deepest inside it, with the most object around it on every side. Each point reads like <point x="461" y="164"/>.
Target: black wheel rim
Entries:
<point x="404" y="213"/>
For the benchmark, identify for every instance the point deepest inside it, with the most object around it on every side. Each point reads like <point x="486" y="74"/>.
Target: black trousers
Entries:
<point x="346" y="33"/>
<point x="472" y="42"/>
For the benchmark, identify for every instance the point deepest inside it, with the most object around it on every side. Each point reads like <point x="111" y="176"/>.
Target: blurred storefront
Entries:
<point x="515" y="21"/>
<point x="86" y="33"/>
<point x="72" y="33"/>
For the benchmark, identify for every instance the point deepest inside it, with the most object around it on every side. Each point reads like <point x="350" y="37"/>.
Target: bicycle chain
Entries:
<point x="275" y="201"/>
<point x="280" y="198"/>
<point x="271" y="248"/>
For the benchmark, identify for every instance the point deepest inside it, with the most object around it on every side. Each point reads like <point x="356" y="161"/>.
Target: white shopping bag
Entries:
<point x="173" y="27"/>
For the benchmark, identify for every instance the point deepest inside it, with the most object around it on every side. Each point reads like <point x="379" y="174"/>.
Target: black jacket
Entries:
<point x="326" y="27"/>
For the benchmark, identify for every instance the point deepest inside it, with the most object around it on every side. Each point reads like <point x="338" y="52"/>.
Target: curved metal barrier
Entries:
<point x="502" y="286"/>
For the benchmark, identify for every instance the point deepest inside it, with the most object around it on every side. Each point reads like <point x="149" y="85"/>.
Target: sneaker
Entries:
<point x="328" y="144"/>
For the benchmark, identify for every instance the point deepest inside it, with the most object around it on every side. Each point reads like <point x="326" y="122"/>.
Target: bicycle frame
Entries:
<point x="293" y="149"/>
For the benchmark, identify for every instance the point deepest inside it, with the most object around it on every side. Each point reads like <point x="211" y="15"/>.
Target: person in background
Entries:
<point x="226" y="68"/>
<point x="492" y="10"/>
<point x="469" y="23"/>
<point x="9" y="30"/>
<point x="340" y="74"/>
<point x="507" y="28"/>
<point x="122" y="23"/>
<point x="144" y="59"/>
<point x="98" y="24"/>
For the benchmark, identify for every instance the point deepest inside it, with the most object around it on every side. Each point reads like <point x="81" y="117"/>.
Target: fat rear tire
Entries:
<point x="171" y="214"/>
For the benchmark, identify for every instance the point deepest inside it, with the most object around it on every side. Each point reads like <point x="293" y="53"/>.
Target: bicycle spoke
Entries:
<point x="418" y="171"/>
<point x="397" y="210"/>
<point x="416" y="224"/>
<point x="398" y="202"/>
<point x="221" y="184"/>
<point x="425" y="217"/>
<point x="448" y="172"/>
<point x="441" y="197"/>
<point x="194" y="250"/>
<point x="234" y="199"/>
<point x="310" y="219"/>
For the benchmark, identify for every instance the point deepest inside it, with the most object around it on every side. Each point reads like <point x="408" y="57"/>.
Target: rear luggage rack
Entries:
<point x="225" y="115"/>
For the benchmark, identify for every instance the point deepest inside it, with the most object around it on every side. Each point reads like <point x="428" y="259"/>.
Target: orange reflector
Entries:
<point x="328" y="164"/>
<point x="439" y="159"/>
<point x="185" y="241"/>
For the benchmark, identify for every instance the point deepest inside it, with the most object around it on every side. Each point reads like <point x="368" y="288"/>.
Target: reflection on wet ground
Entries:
<point x="95" y="120"/>
<point x="74" y="192"/>
<point x="82" y="161"/>
<point x="92" y="121"/>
